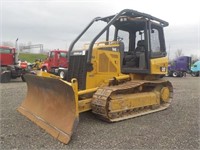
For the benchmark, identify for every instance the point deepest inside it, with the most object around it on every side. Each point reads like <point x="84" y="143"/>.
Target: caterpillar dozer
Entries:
<point x="117" y="78"/>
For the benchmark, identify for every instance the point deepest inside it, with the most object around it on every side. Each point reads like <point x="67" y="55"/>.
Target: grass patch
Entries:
<point x="29" y="57"/>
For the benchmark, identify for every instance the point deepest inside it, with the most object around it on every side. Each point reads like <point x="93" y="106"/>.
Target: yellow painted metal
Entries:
<point x="165" y="94"/>
<point x="37" y="65"/>
<point x="122" y="77"/>
<point x="87" y="91"/>
<point x="84" y="105"/>
<point x="125" y="101"/>
<point x="46" y="74"/>
<point x="106" y="65"/>
<point x="75" y="90"/>
<point x="159" y="65"/>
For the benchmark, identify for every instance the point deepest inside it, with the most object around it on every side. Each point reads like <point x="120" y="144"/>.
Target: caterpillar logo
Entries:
<point x="78" y="53"/>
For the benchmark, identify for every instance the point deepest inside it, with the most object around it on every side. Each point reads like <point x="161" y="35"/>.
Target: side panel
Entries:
<point x="106" y="65"/>
<point x="159" y="65"/>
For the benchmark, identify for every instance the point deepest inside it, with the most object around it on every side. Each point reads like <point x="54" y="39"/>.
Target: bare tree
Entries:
<point x="178" y="53"/>
<point x="194" y="58"/>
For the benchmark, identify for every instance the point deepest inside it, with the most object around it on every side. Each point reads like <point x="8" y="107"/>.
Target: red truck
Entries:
<point x="56" y="63"/>
<point x="10" y="68"/>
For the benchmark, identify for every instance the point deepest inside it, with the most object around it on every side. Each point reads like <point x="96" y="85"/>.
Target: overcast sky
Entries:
<point x="56" y="23"/>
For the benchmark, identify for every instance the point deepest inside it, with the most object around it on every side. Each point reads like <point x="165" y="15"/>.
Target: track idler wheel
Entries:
<point x="165" y="94"/>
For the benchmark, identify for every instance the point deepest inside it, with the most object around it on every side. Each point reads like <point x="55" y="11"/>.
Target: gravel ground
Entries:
<point x="174" y="128"/>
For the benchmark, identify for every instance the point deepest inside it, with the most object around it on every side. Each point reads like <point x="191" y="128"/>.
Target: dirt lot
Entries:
<point x="174" y="128"/>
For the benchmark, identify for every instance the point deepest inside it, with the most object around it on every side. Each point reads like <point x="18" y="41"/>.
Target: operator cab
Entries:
<point x="140" y="40"/>
<point x="140" y="37"/>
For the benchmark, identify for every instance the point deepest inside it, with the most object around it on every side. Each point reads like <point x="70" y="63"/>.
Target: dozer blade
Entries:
<point x="50" y="103"/>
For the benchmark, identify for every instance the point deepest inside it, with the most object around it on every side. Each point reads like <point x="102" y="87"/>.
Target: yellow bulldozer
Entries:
<point x="117" y="76"/>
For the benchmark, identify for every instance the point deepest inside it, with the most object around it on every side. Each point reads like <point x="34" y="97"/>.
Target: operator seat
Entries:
<point x="140" y="47"/>
<point x="140" y="54"/>
<point x="130" y="60"/>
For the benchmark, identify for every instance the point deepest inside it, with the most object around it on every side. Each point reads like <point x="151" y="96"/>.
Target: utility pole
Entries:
<point x="17" y="51"/>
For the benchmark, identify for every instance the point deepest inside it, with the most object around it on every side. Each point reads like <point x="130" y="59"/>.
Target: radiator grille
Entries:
<point x="77" y="69"/>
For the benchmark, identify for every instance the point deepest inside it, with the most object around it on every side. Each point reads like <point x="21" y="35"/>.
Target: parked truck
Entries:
<point x="56" y="63"/>
<point x="195" y="69"/>
<point x="179" y="67"/>
<point x="10" y="67"/>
